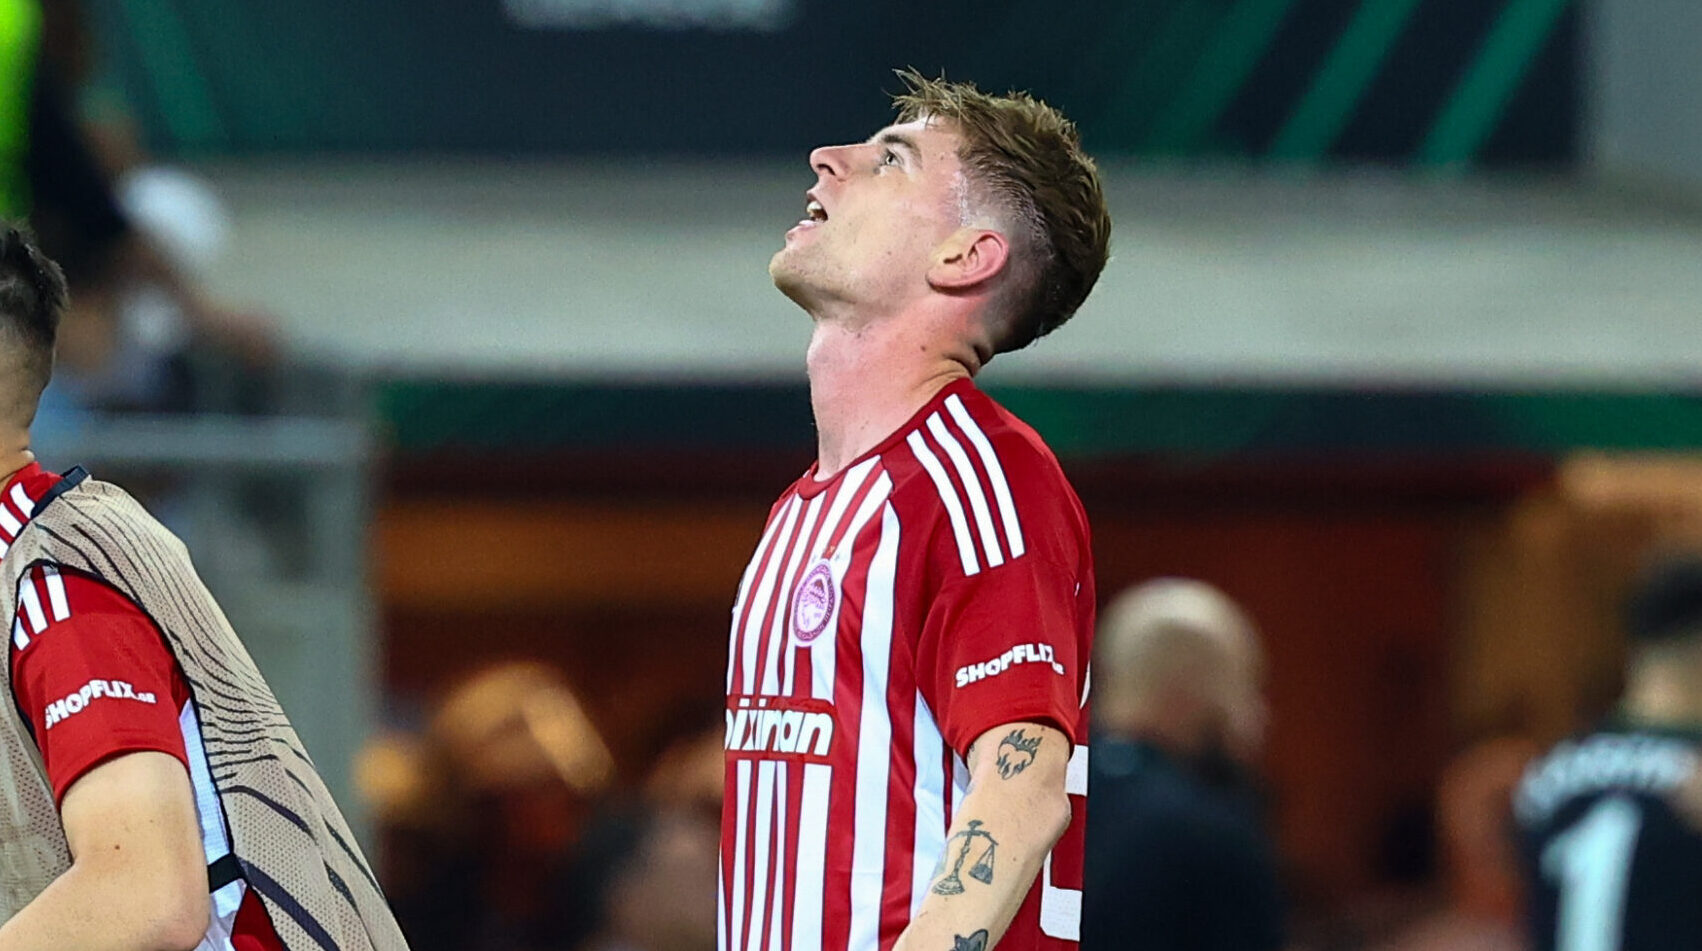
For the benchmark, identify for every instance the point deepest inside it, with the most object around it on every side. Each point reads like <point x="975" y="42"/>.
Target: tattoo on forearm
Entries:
<point x="1016" y="752"/>
<point x="973" y="845"/>
<point x="975" y="942"/>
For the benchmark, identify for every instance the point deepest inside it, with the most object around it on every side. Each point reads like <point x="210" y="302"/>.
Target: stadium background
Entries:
<point x="1398" y="347"/>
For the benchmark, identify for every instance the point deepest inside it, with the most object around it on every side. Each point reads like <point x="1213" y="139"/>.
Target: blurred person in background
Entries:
<point x="486" y="812"/>
<point x="643" y="879"/>
<point x="1611" y="841"/>
<point x="907" y="667"/>
<point x="153" y="795"/>
<point x="1177" y="857"/>
<point x="129" y="247"/>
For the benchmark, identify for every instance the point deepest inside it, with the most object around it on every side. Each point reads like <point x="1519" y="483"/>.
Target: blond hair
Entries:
<point x="1023" y="161"/>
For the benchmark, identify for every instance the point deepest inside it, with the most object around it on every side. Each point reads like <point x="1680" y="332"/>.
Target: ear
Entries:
<point x="969" y="258"/>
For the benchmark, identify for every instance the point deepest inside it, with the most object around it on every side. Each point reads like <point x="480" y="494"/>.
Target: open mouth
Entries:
<point x="815" y="212"/>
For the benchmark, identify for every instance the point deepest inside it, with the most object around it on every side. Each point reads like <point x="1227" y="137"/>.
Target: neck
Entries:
<point x="867" y="379"/>
<point x="15" y="455"/>
<point x="1665" y="695"/>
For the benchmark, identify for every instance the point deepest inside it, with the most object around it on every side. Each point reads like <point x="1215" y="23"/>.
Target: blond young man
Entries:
<point x="907" y="671"/>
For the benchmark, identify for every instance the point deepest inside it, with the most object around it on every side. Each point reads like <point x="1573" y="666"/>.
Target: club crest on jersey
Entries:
<point x="813" y="602"/>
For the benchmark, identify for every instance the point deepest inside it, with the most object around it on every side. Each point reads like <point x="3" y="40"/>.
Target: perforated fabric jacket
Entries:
<point x="290" y="843"/>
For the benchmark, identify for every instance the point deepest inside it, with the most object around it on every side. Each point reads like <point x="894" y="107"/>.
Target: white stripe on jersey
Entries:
<point x="764" y="832"/>
<point x="20" y="640"/>
<point x="777" y="915"/>
<point x="872" y="503"/>
<point x="740" y="862"/>
<point x="764" y="592"/>
<point x="995" y="473"/>
<point x="842" y="498"/>
<point x="930" y="842"/>
<point x="842" y="495"/>
<point x="824" y="665"/>
<point x="948" y="498"/>
<point x="215" y="835"/>
<point x="58" y="606"/>
<point x="721" y="905"/>
<point x="959" y="783"/>
<point x="744" y="590"/>
<point x="812" y="857"/>
<point x="874" y="740"/>
<point x="29" y="602"/>
<point x="972" y="488"/>
<point x="777" y="628"/>
<point x="21" y="499"/>
<point x="10" y="523"/>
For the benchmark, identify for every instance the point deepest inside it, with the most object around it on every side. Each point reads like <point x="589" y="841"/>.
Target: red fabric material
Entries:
<point x="253" y="931"/>
<point x="107" y="639"/>
<point x="945" y="579"/>
<point x="1020" y="617"/>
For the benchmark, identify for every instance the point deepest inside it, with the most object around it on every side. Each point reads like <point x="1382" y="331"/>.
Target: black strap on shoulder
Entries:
<point x="70" y="480"/>
<point x="223" y="872"/>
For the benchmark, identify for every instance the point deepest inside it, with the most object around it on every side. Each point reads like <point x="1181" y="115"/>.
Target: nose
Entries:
<point x="829" y="161"/>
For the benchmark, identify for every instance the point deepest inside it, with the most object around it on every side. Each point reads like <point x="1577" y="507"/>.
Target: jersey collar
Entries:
<point x="809" y="485"/>
<point x="18" y="501"/>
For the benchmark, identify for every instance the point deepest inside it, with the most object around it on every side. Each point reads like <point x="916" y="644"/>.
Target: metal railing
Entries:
<point x="276" y="513"/>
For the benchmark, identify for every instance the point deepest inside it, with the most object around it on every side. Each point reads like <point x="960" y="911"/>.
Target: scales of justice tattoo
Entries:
<point x="982" y="871"/>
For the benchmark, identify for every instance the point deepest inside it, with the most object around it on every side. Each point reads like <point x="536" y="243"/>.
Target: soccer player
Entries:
<point x="152" y="794"/>
<point x="907" y="671"/>
<point x="1613" y="855"/>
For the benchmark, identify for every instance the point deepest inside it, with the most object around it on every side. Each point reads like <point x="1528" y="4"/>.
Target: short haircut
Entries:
<point x="1023" y="160"/>
<point x="1665" y="605"/>
<point x="32" y="298"/>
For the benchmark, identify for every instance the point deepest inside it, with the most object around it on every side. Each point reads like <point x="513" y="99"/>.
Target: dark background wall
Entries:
<point x="1433" y="81"/>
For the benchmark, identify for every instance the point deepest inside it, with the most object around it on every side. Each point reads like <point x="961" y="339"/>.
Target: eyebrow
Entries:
<point x="902" y="141"/>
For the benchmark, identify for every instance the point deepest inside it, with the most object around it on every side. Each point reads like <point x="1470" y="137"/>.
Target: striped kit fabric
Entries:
<point x="842" y="771"/>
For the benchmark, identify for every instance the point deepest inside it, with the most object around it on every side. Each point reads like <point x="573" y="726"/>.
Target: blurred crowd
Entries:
<point x="135" y="236"/>
<point x="506" y="827"/>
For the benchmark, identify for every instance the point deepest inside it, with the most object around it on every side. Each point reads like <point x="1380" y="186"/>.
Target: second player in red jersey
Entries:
<point x="907" y="669"/>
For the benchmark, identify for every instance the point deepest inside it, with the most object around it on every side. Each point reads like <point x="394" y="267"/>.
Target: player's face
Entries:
<point x="877" y="213"/>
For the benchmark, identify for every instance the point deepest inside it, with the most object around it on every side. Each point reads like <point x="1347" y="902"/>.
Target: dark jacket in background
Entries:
<point x="1174" y="863"/>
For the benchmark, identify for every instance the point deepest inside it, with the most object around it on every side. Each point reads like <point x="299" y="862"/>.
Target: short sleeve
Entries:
<point x="91" y="676"/>
<point x="1007" y="589"/>
<point x="1000" y="647"/>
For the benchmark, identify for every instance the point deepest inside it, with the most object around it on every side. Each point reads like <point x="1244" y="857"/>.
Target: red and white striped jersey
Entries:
<point x="938" y="587"/>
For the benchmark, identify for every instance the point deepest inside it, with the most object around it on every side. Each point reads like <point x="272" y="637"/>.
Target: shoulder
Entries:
<point x="968" y="454"/>
<point x="1587" y="767"/>
<point x="94" y="521"/>
<point x="49" y="595"/>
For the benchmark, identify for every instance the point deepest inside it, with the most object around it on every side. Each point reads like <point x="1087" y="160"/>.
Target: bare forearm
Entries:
<point x="94" y="912"/>
<point x="1005" y="826"/>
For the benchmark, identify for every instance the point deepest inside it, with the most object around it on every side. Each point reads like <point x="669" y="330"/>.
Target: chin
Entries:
<point x="788" y="279"/>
